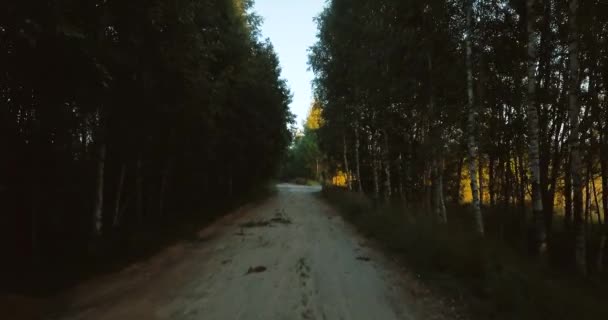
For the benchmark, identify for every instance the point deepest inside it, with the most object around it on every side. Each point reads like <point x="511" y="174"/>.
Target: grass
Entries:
<point x="497" y="279"/>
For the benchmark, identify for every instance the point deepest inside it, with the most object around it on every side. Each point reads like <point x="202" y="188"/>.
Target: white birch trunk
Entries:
<point x="472" y="117"/>
<point x="533" y="142"/>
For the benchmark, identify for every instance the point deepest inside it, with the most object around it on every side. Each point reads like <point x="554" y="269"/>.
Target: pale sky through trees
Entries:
<point x="289" y="25"/>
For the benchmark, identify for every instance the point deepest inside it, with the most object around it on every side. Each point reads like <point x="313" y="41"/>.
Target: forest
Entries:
<point x="121" y="118"/>
<point x="498" y="107"/>
<point x="469" y="136"/>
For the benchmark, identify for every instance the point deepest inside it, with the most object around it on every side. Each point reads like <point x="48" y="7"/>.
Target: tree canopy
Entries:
<point x="411" y="91"/>
<point x="118" y="115"/>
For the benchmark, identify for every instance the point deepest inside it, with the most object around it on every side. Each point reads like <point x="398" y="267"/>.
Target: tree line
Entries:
<point x="509" y="96"/>
<point x="118" y="116"/>
<point x="304" y="160"/>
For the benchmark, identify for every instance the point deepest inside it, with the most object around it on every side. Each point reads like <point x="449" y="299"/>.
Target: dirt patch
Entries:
<point x="280" y="217"/>
<point x="258" y="269"/>
<point x="255" y="224"/>
<point x="303" y="268"/>
<point x="280" y="220"/>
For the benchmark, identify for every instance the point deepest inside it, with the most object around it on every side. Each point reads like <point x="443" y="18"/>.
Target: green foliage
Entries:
<point x="391" y="79"/>
<point x="486" y="277"/>
<point x="184" y="95"/>
<point x="303" y="158"/>
<point x="391" y="72"/>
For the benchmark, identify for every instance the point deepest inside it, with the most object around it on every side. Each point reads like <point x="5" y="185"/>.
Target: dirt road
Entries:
<point x="291" y="257"/>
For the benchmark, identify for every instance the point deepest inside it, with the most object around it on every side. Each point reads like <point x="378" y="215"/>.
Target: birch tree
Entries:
<point x="471" y="121"/>
<point x="530" y="108"/>
<point x="574" y="142"/>
<point x="188" y="81"/>
<point x="533" y="143"/>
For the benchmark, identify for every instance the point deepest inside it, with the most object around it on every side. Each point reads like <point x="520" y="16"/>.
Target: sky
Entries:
<point x="289" y="25"/>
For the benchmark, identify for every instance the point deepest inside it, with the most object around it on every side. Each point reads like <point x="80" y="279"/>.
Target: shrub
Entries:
<point x="496" y="275"/>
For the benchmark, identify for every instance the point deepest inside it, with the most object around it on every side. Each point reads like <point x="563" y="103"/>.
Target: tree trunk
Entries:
<point x="35" y="205"/>
<point x="376" y="179"/>
<point x="588" y="196"/>
<point x="165" y="182"/>
<point x="139" y="186"/>
<point x="546" y="127"/>
<point x="507" y="182"/>
<point x="552" y="179"/>
<point x="521" y="192"/>
<point x="435" y="191"/>
<point x="428" y="188"/>
<point x="602" y="122"/>
<point x="597" y="203"/>
<point x="387" y="168"/>
<point x="117" y="199"/>
<point x="457" y="190"/>
<point x="98" y="206"/>
<point x="375" y="167"/>
<point x="491" y="181"/>
<point x="533" y="142"/>
<point x="401" y="175"/>
<point x="84" y="138"/>
<point x="346" y="167"/>
<point x="580" y="237"/>
<point x="409" y="167"/>
<point x="604" y="170"/>
<point x="568" y="194"/>
<point x="604" y="173"/>
<point x="587" y="206"/>
<point x="357" y="161"/>
<point x="444" y="215"/>
<point x="438" y="200"/>
<point x="599" y="263"/>
<point x="480" y="170"/>
<point x="472" y="117"/>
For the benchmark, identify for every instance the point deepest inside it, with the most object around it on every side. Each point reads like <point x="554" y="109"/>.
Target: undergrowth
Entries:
<point x="494" y="274"/>
<point x="116" y="250"/>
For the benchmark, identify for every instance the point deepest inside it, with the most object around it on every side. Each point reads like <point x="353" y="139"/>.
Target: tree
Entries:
<point x="532" y="113"/>
<point x="471" y="119"/>
<point x="390" y="79"/>
<point x="574" y="143"/>
<point x="138" y="113"/>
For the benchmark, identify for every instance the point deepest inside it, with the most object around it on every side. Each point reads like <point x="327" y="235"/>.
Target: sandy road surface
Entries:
<point x="291" y="257"/>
